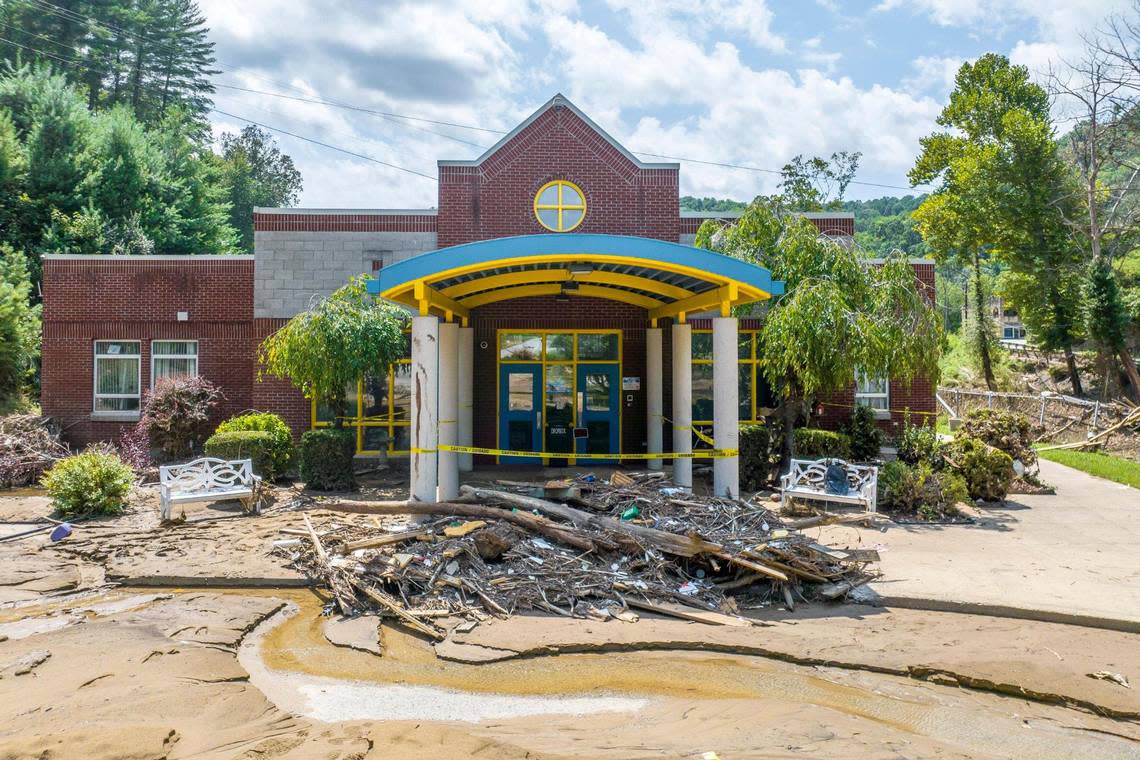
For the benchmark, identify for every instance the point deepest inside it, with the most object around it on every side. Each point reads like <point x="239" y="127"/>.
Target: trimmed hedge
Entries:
<point x="813" y="443"/>
<point x="95" y="482"/>
<point x="326" y="459"/>
<point x="755" y="457"/>
<point x="919" y="489"/>
<point x="280" y="453"/>
<point x="988" y="472"/>
<point x="256" y="445"/>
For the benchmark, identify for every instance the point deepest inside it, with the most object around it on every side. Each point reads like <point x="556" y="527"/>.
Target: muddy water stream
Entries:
<point x="292" y="662"/>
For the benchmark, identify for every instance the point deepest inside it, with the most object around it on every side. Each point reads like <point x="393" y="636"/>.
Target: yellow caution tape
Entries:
<point x="701" y="454"/>
<point x="892" y="411"/>
<point x="693" y="428"/>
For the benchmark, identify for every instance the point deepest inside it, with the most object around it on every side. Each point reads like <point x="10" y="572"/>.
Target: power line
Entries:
<point x="324" y="144"/>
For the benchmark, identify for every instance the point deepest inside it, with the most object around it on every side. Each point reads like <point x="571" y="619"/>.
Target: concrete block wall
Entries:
<point x="294" y="267"/>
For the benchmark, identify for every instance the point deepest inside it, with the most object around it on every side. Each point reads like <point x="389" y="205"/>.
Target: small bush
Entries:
<point x="813" y="443"/>
<point x="988" y="472"/>
<point x="133" y="447"/>
<point x="255" y="445"/>
<point x="866" y="438"/>
<point x="326" y="459"/>
<point x="1007" y="431"/>
<point x="919" y="489"/>
<point x="94" y="482"/>
<point x="176" y="412"/>
<point x="280" y="453"/>
<point x="755" y="457"/>
<point x="919" y="443"/>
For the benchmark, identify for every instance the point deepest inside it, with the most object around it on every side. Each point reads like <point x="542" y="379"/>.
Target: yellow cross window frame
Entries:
<point x="560" y="205"/>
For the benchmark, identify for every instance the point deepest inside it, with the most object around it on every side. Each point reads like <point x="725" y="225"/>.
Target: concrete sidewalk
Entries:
<point x="1073" y="557"/>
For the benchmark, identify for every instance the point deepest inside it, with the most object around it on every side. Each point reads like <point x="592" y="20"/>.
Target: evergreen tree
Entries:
<point x="19" y="325"/>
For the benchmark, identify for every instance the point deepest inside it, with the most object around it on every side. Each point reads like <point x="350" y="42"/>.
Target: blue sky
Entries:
<point x="752" y="82"/>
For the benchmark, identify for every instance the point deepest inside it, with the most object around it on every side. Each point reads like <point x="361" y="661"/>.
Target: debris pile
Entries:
<point x="583" y="549"/>
<point x="29" y="446"/>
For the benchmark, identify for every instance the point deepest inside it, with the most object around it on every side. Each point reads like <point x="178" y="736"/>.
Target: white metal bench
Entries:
<point x="806" y="480"/>
<point x="208" y="479"/>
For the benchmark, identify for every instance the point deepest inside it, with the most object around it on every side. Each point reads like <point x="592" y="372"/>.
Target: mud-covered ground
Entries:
<point x="106" y="652"/>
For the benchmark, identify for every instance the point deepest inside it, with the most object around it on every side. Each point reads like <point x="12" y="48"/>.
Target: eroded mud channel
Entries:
<point x="291" y="660"/>
<point x="250" y="673"/>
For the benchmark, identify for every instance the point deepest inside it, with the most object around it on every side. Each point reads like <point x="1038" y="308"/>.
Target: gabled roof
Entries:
<point x="562" y="101"/>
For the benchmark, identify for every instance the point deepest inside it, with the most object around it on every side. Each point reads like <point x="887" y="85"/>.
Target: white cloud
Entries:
<point x="752" y="17"/>
<point x="933" y="75"/>
<point x="813" y="53"/>
<point x="740" y="114"/>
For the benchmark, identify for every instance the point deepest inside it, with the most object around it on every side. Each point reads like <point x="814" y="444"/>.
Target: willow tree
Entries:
<point x="839" y="313"/>
<point x="335" y="343"/>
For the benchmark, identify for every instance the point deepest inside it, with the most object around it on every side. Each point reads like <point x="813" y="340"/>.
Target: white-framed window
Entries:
<point x="173" y="358"/>
<point x="873" y="392"/>
<point x="118" y="376"/>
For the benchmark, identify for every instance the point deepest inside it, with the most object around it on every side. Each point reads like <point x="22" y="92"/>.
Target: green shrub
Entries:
<point x="919" y="489"/>
<point x="326" y="459"/>
<point x="813" y="443"/>
<point x="1007" y="431"/>
<point x="988" y="472"/>
<point x="94" y="482"/>
<point x="866" y="438"/>
<point x="919" y="443"/>
<point x="280" y="450"/>
<point x="755" y="457"/>
<point x="255" y="445"/>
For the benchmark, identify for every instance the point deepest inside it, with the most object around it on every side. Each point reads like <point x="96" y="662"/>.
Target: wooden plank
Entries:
<point x="688" y="613"/>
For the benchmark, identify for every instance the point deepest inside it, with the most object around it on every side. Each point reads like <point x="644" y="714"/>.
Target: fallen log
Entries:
<point x="535" y="523"/>
<point x="673" y="543"/>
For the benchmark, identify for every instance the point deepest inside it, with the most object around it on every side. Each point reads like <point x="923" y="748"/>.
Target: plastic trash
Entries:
<point x="62" y="531"/>
<point x="630" y="513"/>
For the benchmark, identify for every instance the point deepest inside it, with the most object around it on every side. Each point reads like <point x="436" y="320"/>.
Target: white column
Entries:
<point x="448" y="410"/>
<point x="466" y="393"/>
<point x="726" y="405"/>
<point x="682" y="403"/>
<point x="425" y="408"/>
<point x="653" y="395"/>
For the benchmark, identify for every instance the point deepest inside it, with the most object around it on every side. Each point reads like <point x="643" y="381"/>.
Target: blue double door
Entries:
<point x="576" y="409"/>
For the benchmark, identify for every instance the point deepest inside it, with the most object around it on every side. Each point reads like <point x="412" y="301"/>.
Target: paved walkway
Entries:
<point x="1070" y="557"/>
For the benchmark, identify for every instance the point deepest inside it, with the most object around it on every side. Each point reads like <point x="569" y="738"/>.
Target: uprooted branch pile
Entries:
<point x="640" y="545"/>
<point x="29" y="445"/>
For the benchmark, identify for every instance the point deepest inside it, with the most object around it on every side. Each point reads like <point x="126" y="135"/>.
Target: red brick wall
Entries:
<point x="271" y="394"/>
<point x="495" y="199"/>
<point x="829" y="225"/>
<point x="137" y="299"/>
<point x="363" y="222"/>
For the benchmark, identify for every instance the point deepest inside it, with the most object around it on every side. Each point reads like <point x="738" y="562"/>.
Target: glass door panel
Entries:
<point x="520" y="410"/>
<point x="599" y="389"/>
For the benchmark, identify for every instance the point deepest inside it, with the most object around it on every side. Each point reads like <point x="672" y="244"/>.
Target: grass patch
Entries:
<point x="1105" y="466"/>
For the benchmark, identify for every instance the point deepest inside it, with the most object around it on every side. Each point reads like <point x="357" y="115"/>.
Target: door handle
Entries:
<point x="538" y="419"/>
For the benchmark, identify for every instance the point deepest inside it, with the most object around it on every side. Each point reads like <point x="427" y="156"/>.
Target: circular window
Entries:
<point x="560" y="206"/>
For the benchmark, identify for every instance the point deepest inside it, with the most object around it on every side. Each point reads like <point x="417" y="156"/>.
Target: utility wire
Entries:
<point x="324" y="144"/>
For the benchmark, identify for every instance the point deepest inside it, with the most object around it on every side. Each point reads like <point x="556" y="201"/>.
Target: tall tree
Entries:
<point x="880" y="315"/>
<point x="148" y="54"/>
<point x="19" y="326"/>
<point x="818" y="184"/>
<point x="257" y="173"/>
<point x="957" y="220"/>
<point x="1102" y="90"/>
